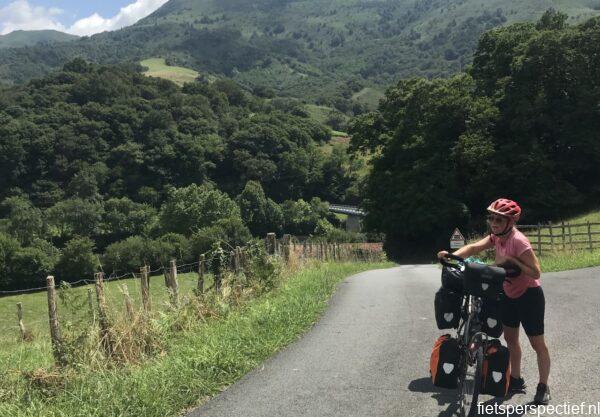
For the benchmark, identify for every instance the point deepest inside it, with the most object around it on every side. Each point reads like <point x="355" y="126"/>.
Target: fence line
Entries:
<point x="563" y="236"/>
<point x="235" y="261"/>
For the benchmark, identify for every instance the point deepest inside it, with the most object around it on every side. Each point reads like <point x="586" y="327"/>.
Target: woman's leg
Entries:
<point x="511" y="335"/>
<point x="538" y="343"/>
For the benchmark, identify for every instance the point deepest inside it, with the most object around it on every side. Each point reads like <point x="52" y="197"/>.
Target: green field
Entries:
<point x="369" y="97"/>
<point x="319" y="113"/>
<point x="35" y="315"/>
<point x="157" y="67"/>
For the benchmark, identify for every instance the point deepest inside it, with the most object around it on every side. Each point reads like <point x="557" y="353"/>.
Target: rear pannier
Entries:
<point x="444" y="362"/>
<point x="447" y="308"/>
<point x="496" y="369"/>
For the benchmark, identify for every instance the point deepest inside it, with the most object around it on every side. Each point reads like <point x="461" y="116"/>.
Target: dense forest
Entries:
<point x="102" y="160"/>
<point x="522" y="123"/>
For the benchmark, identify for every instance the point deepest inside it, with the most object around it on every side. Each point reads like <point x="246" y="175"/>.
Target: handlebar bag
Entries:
<point x="483" y="280"/>
<point x="490" y="317"/>
<point x="496" y="369"/>
<point x="444" y="362"/>
<point x="447" y="308"/>
<point x="452" y="279"/>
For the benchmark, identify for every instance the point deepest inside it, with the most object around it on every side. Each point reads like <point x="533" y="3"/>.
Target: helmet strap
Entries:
<point x="506" y="230"/>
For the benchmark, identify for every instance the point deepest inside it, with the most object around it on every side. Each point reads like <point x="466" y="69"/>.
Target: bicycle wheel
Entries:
<point x="470" y="382"/>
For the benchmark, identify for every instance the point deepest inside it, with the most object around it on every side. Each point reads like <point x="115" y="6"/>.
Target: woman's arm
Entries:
<point x="529" y="263"/>
<point x="471" y="249"/>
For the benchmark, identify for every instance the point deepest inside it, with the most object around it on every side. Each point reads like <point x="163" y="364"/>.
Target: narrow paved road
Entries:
<point x="369" y="354"/>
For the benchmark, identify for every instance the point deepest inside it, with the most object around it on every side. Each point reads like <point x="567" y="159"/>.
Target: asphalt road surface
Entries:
<point x="369" y="353"/>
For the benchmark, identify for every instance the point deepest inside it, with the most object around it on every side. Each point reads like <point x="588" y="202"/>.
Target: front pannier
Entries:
<point x="496" y="369"/>
<point x="483" y="280"/>
<point x="490" y="317"/>
<point x="452" y="279"/>
<point x="444" y="362"/>
<point x="447" y="308"/>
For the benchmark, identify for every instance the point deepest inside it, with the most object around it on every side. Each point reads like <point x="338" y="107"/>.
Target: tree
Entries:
<point x="24" y="221"/>
<point x="78" y="260"/>
<point x="230" y="232"/>
<point x="261" y="214"/>
<point x="195" y="206"/>
<point x="129" y="255"/>
<point x="123" y="217"/>
<point x="73" y="217"/>
<point x="9" y="246"/>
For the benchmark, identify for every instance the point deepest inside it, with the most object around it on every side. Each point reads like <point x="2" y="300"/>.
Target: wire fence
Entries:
<point x="133" y="293"/>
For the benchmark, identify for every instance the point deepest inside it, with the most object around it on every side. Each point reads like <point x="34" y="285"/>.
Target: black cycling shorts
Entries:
<point x="528" y="309"/>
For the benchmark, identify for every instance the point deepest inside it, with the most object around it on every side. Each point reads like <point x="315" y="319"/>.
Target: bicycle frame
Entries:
<point x="472" y="345"/>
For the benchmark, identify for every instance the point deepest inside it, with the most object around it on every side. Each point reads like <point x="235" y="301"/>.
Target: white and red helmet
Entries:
<point x="507" y="208"/>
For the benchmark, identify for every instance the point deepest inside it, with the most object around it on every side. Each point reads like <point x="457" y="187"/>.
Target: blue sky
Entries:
<point x="77" y="9"/>
<point x="80" y="17"/>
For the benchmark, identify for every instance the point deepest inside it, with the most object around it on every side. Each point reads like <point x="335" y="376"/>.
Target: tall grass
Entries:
<point x="206" y="346"/>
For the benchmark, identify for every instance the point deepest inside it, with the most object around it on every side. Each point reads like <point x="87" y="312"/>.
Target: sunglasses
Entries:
<point x="495" y="219"/>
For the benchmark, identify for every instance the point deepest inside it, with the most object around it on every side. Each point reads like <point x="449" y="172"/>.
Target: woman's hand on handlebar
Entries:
<point x="443" y="254"/>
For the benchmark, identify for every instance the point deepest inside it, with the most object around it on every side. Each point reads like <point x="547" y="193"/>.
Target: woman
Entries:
<point x="524" y="302"/>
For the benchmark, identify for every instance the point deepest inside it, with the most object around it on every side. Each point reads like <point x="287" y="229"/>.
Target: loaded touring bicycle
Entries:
<point x="474" y="361"/>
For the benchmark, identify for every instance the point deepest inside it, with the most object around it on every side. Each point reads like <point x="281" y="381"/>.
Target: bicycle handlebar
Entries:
<point x="512" y="271"/>
<point x="444" y="262"/>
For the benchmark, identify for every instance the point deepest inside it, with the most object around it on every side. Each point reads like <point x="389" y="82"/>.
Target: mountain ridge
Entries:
<point x="310" y="50"/>
<point x="21" y="38"/>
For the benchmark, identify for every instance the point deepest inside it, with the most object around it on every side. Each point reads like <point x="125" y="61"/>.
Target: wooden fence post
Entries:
<point x="562" y="224"/>
<point x="285" y="244"/>
<point x="103" y="315"/>
<point x="145" y="288"/>
<point x="539" y="237"/>
<point x="21" y="324"/>
<point x="201" y="275"/>
<point x="173" y="284"/>
<point x="570" y="236"/>
<point x="271" y="242"/>
<point x="90" y="300"/>
<point x="57" y="349"/>
<point x="551" y="236"/>
<point x="128" y="304"/>
<point x="236" y="260"/>
<point x="589" y="228"/>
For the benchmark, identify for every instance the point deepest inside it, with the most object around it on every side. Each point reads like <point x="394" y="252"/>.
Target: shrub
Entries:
<point x="78" y="260"/>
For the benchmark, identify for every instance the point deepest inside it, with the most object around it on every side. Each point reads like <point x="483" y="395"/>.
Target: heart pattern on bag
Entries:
<point x="448" y="317"/>
<point x="485" y="286"/>
<point x="492" y="322"/>
<point x="448" y="367"/>
<point x="496" y="376"/>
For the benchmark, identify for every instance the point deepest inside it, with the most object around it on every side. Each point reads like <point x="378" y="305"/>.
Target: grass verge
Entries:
<point x="199" y="362"/>
<point x="563" y="261"/>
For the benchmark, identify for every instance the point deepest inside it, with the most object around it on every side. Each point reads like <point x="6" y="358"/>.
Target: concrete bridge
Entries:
<point x="353" y="222"/>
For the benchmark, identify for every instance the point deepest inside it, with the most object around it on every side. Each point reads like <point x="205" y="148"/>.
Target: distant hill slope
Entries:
<point x="322" y="50"/>
<point x="20" y="38"/>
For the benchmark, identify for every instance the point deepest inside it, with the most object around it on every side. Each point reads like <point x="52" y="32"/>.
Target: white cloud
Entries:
<point x="21" y="15"/>
<point x="128" y="15"/>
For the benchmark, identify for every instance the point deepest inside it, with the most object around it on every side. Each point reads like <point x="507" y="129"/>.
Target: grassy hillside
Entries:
<point x="322" y="50"/>
<point x="20" y="38"/>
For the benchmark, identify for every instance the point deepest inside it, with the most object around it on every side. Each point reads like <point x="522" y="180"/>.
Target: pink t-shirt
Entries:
<point x="515" y="245"/>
